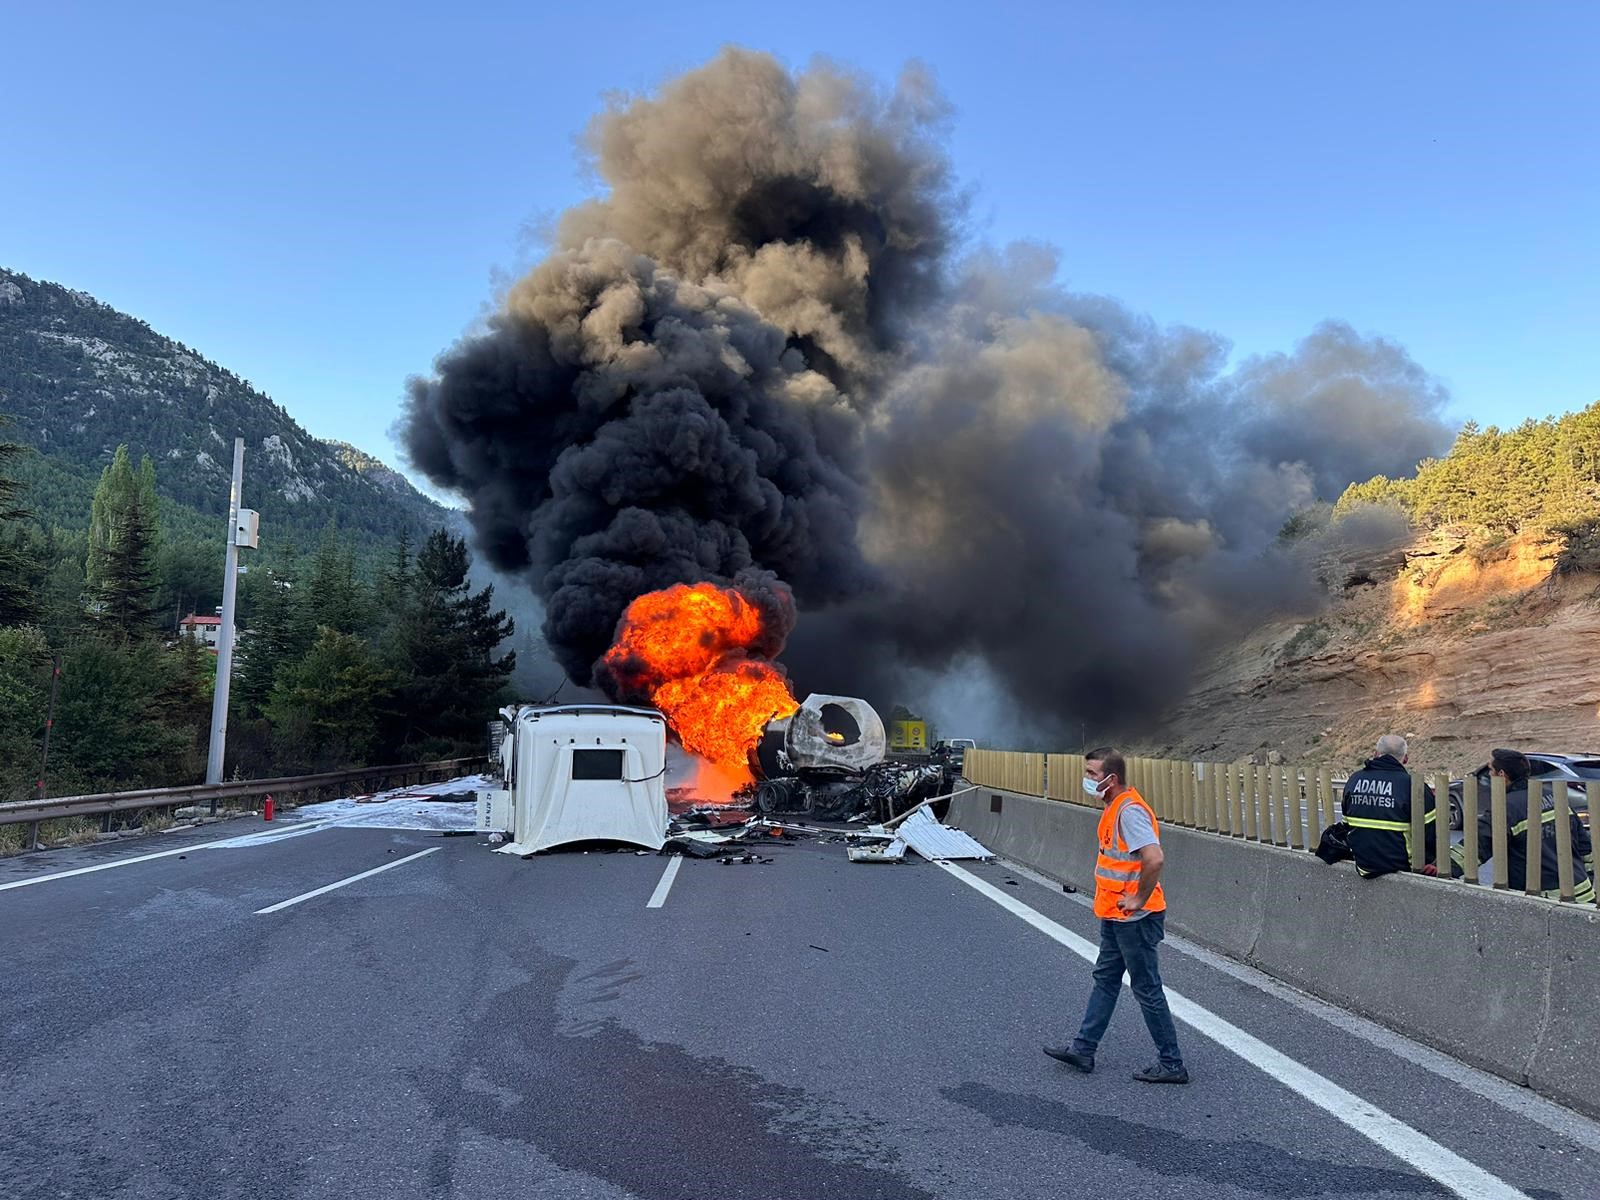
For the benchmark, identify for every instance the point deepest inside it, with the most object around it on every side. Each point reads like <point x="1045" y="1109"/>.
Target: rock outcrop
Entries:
<point x="1461" y="649"/>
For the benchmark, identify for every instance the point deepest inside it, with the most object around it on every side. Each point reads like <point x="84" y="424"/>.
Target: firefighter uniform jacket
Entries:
<point x="1377" y="807"/>
<point x="1517" y="845"/>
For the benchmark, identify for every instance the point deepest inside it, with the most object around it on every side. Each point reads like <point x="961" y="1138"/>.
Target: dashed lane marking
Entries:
<point x="659" y="896"/>
<point x="246" y="840"/>
<point x="325" y="889"/>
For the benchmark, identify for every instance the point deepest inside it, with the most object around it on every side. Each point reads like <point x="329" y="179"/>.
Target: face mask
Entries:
<point x="1091" y="788"/>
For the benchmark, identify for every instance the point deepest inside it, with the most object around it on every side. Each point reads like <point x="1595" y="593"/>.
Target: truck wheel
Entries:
<point x="772" y="796"/>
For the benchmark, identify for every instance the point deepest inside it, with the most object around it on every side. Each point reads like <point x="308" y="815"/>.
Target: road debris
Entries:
<point x="877" y="851"/>
<point x="937" y="842"/>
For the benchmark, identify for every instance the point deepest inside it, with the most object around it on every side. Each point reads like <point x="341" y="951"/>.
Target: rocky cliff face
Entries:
<point x="1461" y="650"/>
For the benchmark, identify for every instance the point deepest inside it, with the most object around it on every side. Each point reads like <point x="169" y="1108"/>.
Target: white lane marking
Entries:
<point x="128" y="862"/>
<point x="399" y="862"/>
<point x="1411" y="1147"/>
<point x="1530" y="1105"/>
<point x="659" y="896"/>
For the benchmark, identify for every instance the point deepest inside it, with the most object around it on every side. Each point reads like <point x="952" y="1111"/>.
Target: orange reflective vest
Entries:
<point x="1116" y="871"/>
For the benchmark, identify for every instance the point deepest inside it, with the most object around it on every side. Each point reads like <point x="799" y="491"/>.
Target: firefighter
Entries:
<point x="1377" y="807"/>
<point x="1513" y="767"/>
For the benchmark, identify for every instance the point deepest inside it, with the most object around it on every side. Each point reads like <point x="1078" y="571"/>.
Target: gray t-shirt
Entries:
<point x="1135" y="826"/>
<point x="1137" y="831"/>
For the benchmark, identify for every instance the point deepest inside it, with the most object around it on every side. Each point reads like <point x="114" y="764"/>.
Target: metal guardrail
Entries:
<point x="1291" y="806"/>
<point x="33" y="812"/>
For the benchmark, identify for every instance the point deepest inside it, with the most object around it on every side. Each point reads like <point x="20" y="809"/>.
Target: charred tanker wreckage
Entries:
<point x="828" y="761"/>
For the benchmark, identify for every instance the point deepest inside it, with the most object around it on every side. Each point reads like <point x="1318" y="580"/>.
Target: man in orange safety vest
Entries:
<point x="1132" y="911"/>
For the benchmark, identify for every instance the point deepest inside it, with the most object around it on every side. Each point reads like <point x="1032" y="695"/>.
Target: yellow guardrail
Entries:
<point x="1289" y="806"/>
<point x="1007" y="769"/>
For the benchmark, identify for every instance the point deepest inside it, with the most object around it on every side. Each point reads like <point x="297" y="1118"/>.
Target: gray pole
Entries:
<point x="230" y="591"/>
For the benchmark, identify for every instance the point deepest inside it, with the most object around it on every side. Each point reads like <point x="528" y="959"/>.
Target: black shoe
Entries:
<point x="1066" y="1054"/>
<point x="1160" y="1074"/>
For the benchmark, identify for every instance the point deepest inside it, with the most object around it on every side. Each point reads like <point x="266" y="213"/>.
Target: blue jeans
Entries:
<point x="1130" y="946"/>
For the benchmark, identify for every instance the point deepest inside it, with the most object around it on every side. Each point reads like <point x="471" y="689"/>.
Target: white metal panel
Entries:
<point x="933" y="840"/>
<point x="494" y="810"/>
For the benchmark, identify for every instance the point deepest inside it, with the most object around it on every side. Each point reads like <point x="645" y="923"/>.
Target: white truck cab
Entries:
<point x="578" y="773"/>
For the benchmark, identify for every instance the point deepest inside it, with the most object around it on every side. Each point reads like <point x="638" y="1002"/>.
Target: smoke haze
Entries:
<point x="762" y="351"/>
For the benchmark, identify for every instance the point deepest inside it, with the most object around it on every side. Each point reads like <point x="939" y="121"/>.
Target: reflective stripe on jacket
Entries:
<point x="1517" y="847"/>
<point x="1116" y="870"/>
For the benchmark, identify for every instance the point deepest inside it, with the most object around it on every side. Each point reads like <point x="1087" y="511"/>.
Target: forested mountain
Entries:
<point x="362" y="634"/>
<point x="80" y="378"/>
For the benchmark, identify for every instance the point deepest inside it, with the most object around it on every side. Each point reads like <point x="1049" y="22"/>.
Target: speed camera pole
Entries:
<point x="242" y="525"/>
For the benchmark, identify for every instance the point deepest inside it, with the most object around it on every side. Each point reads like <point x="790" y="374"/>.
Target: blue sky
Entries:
<point x="323" y="197"/>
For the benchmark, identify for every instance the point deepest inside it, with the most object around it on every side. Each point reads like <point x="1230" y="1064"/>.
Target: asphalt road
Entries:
<point x="469" y="1024"/>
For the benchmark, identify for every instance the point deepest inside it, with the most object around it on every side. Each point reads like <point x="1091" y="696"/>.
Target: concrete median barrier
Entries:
<point x="1503" y="981"/>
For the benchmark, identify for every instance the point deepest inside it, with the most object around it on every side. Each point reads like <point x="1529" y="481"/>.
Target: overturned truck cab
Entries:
<point x="578" y="773"/>
<point x="827" y="761"/>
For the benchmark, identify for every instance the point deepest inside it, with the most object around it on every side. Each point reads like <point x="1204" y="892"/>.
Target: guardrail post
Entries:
<point x="1441" y="824"/>
<point x="1299" y="800"/>
<point x="1564" y="876"/>
<point x="1418" y="838"/>
<point x="1497" y="826"/>
<point x="1533" y="877"/>
<point x="1469" y="829"/>
<point x="33" y="836"/>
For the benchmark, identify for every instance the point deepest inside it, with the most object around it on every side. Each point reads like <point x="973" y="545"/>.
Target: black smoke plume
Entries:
<point x="759" y="352"/>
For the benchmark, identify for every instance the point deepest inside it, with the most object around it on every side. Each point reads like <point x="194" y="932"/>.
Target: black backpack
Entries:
<point x="1335" y="844"/>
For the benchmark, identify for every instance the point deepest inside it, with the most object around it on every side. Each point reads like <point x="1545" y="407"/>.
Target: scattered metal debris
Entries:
<point x="894" y="850"/>
<point x="935" y="841"/>
<point x="692" y="847"/>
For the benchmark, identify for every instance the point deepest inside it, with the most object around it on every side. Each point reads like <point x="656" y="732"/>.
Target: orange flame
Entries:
<point x="687" y="650"/>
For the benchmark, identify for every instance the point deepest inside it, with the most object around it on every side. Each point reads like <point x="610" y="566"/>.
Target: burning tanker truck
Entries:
<point x="703" y="654"/>
<point x="827" y="760"/>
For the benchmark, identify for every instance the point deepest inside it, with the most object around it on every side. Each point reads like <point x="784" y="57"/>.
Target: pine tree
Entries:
<point x="271" y="637"/>
<point x="125" y="717"/>
<point x="120" y="576"/>
<point x="24" y="672"/>
<point x="190" y="573"/>
<point x="21" y="572"/>
<point x="334" y="597"/>
<point x="397" y="579"/>
<point x="443" y="649"/>
<point x="329" y="708"/>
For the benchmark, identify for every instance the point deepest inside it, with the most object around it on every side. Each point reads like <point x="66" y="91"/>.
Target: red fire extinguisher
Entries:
<point x="266" y="809"/>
